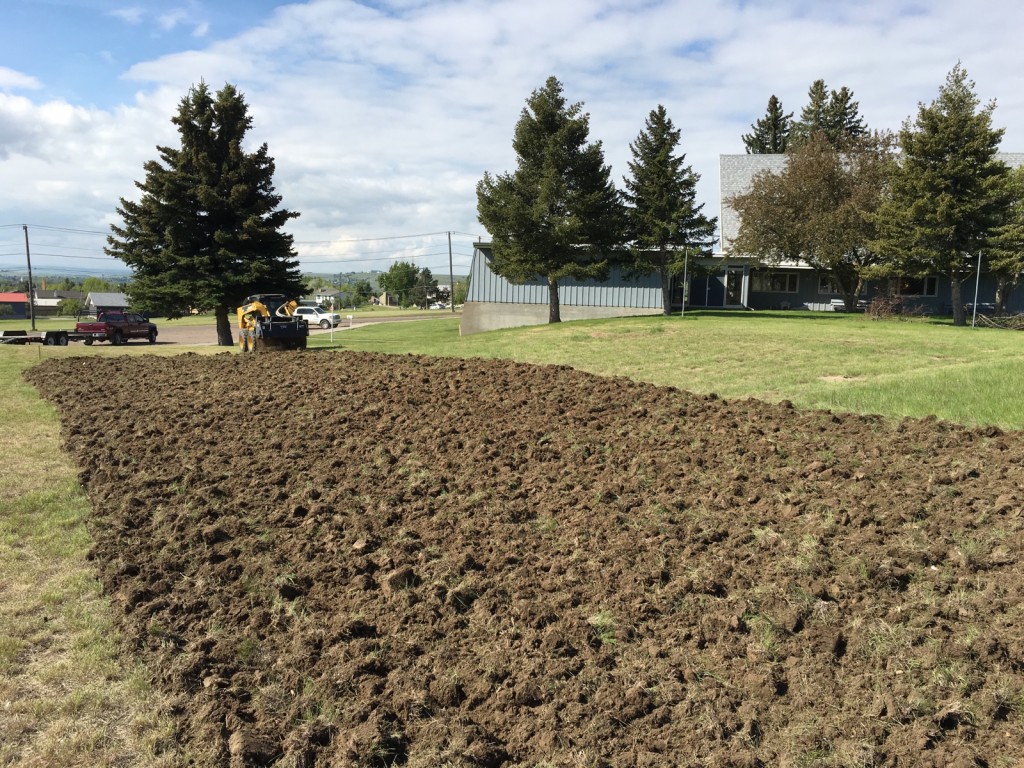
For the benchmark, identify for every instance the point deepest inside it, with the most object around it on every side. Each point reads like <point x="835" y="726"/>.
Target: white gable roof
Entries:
<point x="737" y="172"/>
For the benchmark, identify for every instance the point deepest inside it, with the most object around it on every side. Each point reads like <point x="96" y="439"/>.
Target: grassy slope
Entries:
<point x="816" y="360"/>
<point x="66" y="698"/>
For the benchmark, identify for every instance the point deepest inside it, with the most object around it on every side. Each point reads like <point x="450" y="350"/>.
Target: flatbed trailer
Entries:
<point x="49" y="338"/>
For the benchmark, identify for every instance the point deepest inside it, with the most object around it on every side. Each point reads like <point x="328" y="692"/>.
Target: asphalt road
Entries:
<point x="170" y="332"/>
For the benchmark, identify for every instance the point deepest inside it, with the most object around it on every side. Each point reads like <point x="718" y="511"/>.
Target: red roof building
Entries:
<point x="18" y="302"/>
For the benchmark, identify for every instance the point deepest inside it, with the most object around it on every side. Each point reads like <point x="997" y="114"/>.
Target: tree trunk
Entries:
<point x="666" y="287"/>
<point x="554" y="311"/>
<point x="224" y="337"/>
<point x="959" y="316"/>
<point x="1004" y="288"/>
<point x="851" y="294"/>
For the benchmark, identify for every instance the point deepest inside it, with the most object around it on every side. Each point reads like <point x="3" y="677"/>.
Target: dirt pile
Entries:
<point x="341" y="559"/>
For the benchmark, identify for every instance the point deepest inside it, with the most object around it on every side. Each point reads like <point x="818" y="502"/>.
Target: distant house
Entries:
<point x="98" y="302"/>
<point x="445" y="282"/>
<point x="18" y="303"/>
<point x="326" y="297"/>
<point x="47" y="303"/>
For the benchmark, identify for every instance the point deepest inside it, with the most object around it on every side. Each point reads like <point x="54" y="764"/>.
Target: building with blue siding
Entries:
<point x="744" y="283"/>
<point x="725" y="280"/>
<point x="494" y="302"/>
<point x="15" y="305"/>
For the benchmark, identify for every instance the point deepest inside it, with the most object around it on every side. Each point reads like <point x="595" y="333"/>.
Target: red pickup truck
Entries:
<point x="117" y="328"/>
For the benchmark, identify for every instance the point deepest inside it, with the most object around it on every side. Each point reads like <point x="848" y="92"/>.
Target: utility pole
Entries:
<point x="451" y="275"/>
<point x="686" y="278"/>
<point x="977" y="280"/>
<point x="31" y="288"/>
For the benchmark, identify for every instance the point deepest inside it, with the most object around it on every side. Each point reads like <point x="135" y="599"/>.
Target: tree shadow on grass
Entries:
<point x="807" y="315"/>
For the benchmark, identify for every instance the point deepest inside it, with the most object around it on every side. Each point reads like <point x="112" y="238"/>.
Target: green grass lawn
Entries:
<point x="815" y="360"/>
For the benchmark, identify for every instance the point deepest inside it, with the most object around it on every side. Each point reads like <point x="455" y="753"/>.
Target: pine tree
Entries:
<point x="424" y="291"/>
<point x="843" y="121"/>
<point x="1006" y="251"/>
<point x="812" y="116"/>
<point x="948" y="193"/>
<point x="835" y="114"/>
<point x="206" y="231"/>
<point x="558" y="214"/>
<point x="770" y="134"/>
<point x="665" y="224"/>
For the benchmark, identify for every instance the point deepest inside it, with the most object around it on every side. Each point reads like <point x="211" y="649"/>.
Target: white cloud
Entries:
<point x="381" y="120"/>
<point x="169" y="21"/>
<point x="13" y="80"/>
<point x="129" y="15"/>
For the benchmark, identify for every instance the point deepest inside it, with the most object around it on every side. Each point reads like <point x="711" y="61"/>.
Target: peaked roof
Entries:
<point x="108" y="299"/>
<point x="737" y="172"/>
<point x="59" y="294"/>
<point x="14" y="297"/>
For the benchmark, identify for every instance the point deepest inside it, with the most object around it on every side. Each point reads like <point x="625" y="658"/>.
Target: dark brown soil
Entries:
<point x="341" y="559"/>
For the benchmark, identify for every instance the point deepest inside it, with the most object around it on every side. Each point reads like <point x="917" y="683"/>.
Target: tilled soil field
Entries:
<point x="342" y="559"/>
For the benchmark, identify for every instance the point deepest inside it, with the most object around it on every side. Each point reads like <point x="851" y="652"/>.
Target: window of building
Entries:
<point x="775" y="282"/>
<point x="917" y="286"/>
<point x="829" y="285"/>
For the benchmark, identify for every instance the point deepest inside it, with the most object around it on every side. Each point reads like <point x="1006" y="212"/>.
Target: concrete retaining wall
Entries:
<point x="479" y="316"/>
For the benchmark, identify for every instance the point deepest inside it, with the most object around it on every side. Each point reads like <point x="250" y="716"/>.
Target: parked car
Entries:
<point x="318" y="316"/>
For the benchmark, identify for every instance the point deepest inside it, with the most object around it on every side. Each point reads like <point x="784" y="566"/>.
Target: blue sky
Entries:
<point x="77" y="50"/>
<point x="382" y="116"/>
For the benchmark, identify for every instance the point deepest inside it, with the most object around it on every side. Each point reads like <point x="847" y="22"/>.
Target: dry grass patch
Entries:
<point x="67" y="696"/>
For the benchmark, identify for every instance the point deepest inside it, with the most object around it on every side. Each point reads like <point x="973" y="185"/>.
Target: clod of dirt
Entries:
<point x="423" y="562"/>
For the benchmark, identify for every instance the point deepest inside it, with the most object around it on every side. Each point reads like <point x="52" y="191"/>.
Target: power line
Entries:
<point x="64" y="229"/>
<point x="310" y="261"/>
<point x="357" y="258"/>
<point x="372" y="239"/>
<point x="67" y="247"/>
<point x="75" y="230"/>
<point x="70" y="256"/>
<point x="70" y="270"/>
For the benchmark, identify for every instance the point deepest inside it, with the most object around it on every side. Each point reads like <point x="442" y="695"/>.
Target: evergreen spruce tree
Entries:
<point x="948" y="194"/>
<point x="812" y="116"/>
<point x="558" y="214"/>
<point x="843" y="121"/>
<point x="770" y="134"/>
<point x="1006" y="252"/>
<point x="206" y="231"/>
<point x="665" y="224"/>
<point x="835" y="114"/>
<point x="424" y="291"/>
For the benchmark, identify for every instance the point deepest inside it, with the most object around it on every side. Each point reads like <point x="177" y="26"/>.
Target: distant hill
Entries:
<point x="372" y="276"/>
